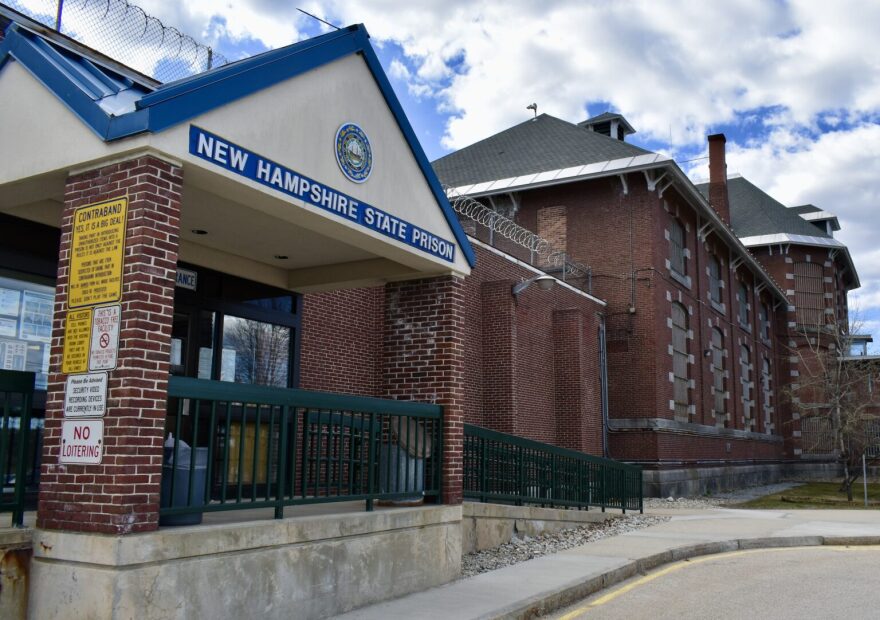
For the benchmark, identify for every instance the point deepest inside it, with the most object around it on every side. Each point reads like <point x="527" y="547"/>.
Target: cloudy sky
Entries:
<point x="795" y="85"/>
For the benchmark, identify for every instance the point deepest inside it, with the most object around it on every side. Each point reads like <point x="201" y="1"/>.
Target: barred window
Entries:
<point x="715" y="279"/>
<point x="764" y="316"/>
<point x="809" y="294"/>
<point x="676" y="247"/>
<point x="742" y="298"/>
<point x="680" y="361"/>
<point x="717" y="348"/>
<point x="766" y="388"/>
<point x="745" y="374"/>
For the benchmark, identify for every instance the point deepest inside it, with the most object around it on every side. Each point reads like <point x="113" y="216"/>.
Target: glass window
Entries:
<point x="680" y="361"/>
<point x="717" y="349"/>
<point x="809" y="294"/>
<point x="26" y="310"/>
<point x="255" y="352"/>
<point x="715" y="279"/>
<point x="676" y="247"/>
<point x="742" y="297"/>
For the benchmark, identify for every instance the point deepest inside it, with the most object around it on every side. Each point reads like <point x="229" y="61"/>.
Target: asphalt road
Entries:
<point x="803" y="582"/>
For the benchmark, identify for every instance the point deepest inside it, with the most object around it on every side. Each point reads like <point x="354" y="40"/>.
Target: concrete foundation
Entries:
<point x="307" y="567"/>
<point x="15" y="561"/>
<point x="691" y="481"/>
<point x="484" y="526"/>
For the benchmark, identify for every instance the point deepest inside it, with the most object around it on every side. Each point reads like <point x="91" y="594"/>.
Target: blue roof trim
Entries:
<point x="415" y="146"/>
<point x="81" y="83"/>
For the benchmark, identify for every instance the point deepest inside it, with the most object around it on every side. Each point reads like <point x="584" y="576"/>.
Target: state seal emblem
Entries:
<point x="353" y="152"/>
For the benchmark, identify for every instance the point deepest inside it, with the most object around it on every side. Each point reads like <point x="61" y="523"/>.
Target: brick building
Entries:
<point x="700" y="304"/>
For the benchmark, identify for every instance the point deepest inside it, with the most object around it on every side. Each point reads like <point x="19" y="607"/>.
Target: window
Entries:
<point x="766" y="388"/>
<point x="809" y="294"/>
<point x="742" y="298"/>
<point x="676" y="248"/>
<point x="26" y="310"/>
<point x="717" y="348"/>
<point x="764" y="317"/>
<point x="680" y="361"/>
<point x="715" y="282"/>
<point x="745" y="374"/>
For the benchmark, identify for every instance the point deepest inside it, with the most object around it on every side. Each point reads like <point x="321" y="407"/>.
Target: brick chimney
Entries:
<point x="718" y="177"/>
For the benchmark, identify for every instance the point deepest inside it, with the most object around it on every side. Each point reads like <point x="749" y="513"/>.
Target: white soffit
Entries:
<point x="759" y="240"/>
<point x="562" y="175"/>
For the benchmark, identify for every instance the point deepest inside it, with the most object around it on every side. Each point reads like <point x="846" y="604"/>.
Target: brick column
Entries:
<point x="570" y="379"/>
<point x="423" y="359"/>
<point x="121" y="495"/>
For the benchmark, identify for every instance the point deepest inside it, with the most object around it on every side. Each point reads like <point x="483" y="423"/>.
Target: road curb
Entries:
<point x="574" y="591"/>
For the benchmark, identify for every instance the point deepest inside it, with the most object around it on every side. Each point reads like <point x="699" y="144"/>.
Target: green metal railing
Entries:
<point x="259" y="447"/>
<point x="503" y="468"/>
<point x="16" y="399"/>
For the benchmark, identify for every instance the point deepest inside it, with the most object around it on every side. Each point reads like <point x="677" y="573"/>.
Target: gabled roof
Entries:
<point x="753" y="212"/>
<point x="537" y="145"/>
<point x="802" y="209"/>
<point x="116" y="102"/>
<point x="758" y="219"/>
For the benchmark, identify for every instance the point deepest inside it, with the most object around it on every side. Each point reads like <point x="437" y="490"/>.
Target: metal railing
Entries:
<point x="503" y="468"/>
<point x="16" y="399"/>
<point x="258" y="447"/>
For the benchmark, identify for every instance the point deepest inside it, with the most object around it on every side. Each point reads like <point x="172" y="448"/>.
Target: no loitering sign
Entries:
<point x="82" y="442"/>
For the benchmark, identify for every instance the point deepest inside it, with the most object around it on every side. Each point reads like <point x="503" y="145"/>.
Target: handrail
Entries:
<point x="504" y="468"/>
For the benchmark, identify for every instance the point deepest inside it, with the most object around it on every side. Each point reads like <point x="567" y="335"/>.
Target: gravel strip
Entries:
<point x="527" y="548"/>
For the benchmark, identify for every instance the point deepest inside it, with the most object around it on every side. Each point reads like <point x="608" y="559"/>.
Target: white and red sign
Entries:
<point x="105" y="337"/>
<point x="85" y="396"/>
<point x="82" y="441"/>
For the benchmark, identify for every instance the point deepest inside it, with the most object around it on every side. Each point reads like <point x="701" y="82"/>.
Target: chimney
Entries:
<point x="718" y="177"/>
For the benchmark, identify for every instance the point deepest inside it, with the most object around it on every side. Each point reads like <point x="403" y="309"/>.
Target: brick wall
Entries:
<point x="121" y="495"/>
<point x="341" y="343"/>
<point x="423" y="359"/>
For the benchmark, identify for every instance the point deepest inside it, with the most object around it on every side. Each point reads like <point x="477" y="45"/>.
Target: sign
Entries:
<point x="248" y="164"/>
<point x="96" y="253"/>
<point x="353" y="153"/>
<point x="77" y="335"/>
<point x="82" y="441"/>
<point x="105" y="337"/>
<point x="85" y="396"/>
<point x="186" y="278"/>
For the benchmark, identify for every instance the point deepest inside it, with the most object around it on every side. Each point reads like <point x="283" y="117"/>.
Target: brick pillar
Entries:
<point x="570" y="378"/>
<point x="423" y="359"/>
<point x="499" y="359"/>
<point x="121" y="495"/>
<point x="718" y="197"/>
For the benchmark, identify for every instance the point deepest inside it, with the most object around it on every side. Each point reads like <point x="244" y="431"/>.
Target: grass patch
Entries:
<point x="821" y="495"/>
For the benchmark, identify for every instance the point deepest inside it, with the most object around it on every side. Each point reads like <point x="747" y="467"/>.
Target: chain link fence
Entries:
<point x="126" y="33"/>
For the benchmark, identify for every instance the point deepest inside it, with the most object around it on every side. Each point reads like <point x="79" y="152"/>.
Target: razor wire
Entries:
<point x="126" y="33"/>
<point x="501" y="225"/>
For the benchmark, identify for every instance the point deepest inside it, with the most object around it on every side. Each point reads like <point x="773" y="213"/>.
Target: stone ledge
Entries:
<point x="205" y="540"/>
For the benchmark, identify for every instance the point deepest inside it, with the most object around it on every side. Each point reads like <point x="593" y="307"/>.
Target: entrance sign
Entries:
<point x="187" y="278"/>
<point x="96" y="252"/>
<point x="85" y="396"/>
<point x="77" y="335"/>
<point x="105" y="337"/>
<point x="248" y="164"/>
<point x="82" y="441"/>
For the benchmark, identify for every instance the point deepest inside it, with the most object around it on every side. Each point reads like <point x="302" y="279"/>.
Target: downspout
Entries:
<point x="603" y="385"/>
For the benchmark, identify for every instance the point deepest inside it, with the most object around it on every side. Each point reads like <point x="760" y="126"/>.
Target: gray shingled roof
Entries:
<point x="537" y="145"/>
<point x="801" y="209"/>
<point x="753" y="212"/>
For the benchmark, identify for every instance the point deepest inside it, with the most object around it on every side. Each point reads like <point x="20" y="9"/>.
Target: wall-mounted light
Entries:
<point x="544" y="282"/>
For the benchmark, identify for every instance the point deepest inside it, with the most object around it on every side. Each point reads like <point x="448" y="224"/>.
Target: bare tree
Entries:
<point x="836" y="396"/>
<point x="261" y="351"/>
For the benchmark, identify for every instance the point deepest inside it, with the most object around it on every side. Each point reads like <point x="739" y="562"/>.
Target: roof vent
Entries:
<point x="609" y="124"/>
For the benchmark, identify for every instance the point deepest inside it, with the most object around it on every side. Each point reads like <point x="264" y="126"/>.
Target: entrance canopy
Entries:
<point x="300" y="168"/>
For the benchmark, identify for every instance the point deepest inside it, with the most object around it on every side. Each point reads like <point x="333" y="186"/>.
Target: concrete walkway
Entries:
<point x="551" y="582"/>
